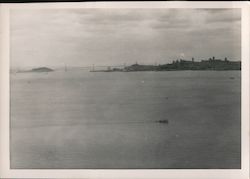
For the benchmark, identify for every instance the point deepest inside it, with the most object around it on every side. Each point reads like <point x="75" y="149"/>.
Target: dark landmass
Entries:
<point x="210" y="64"/>
<point x="40" y="69"/>
<point x="109" y="70"/>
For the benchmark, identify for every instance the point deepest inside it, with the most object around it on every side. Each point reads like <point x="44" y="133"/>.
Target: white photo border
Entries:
<point x="6" y="172"/>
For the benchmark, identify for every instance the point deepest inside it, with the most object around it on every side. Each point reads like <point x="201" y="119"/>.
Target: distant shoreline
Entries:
<point x="211" y="64"/>
<point x="105" y="71"/>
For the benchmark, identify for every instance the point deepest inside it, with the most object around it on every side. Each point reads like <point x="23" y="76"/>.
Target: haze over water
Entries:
<point x="79" y="119"/>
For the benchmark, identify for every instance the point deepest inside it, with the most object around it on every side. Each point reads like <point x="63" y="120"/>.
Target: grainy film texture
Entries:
<point x="125" y="88"/>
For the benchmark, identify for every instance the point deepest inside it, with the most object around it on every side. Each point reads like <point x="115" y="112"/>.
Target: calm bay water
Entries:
<point x="79" y="119"/>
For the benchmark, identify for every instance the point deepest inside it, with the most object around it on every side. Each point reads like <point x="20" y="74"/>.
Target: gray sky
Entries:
<point x="82" y="37"/>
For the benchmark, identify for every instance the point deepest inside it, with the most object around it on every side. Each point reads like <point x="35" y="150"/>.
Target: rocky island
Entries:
<point x="40" y="69"/>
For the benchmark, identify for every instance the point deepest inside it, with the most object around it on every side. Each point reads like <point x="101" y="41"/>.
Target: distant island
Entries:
<point x="210" y="64"/>
<point x="40" y="69"/>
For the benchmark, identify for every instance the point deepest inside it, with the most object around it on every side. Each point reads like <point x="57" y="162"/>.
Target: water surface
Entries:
<point x="79" y="119"/>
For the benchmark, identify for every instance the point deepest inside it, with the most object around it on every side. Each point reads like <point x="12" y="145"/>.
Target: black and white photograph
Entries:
<point x="125" y="88"/>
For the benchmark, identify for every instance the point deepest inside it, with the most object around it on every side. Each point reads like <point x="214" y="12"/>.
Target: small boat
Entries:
<point x="163" y="121"/>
